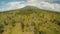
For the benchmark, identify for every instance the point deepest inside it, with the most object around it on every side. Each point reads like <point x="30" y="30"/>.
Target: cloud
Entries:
<point x="45" y="4"/>
<point x="32" y="2"/>
<point x="49" y="6"/>
<point x="42" y="4"/>
<point x="13" y="5"/>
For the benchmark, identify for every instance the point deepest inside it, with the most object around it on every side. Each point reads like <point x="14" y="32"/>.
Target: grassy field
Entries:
<point x="29" y="21"/>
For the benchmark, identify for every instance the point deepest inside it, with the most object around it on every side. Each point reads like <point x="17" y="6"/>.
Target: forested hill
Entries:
<point x="29" y="20"/>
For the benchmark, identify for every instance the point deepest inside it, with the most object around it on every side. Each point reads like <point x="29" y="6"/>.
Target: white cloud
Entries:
<point x="42" y="4"/>
<point x="32" y="2"/>
<point x="13" y="5"/>
<point x="46" y="5"/>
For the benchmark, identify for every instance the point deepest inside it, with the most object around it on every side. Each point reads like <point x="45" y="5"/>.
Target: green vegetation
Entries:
<point x="29" y="20"/>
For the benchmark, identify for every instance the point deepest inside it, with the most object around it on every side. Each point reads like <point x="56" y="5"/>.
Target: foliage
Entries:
<point x="29" y="21"/>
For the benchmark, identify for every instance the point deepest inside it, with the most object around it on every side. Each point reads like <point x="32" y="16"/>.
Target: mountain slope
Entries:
<point x="29" y="20"/>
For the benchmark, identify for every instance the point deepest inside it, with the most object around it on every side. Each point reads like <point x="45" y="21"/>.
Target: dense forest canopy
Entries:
<point x="29" y="20"/>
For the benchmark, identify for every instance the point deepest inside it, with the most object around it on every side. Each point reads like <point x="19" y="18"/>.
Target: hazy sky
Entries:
<point x="42" y="4"/>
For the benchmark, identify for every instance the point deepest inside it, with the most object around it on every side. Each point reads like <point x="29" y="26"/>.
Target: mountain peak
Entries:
<point x="30" y="7"/>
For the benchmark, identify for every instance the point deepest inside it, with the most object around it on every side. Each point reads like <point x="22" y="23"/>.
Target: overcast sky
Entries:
<point x="42" y="4"/>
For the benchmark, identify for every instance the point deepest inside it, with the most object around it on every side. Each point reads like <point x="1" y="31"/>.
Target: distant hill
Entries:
<point x="29" y="20"/>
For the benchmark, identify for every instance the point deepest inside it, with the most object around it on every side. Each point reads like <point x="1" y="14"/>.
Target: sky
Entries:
<point x="42" y="4"/>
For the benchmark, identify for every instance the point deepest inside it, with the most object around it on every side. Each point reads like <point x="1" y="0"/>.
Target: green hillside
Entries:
<point x="29" y="20"/>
